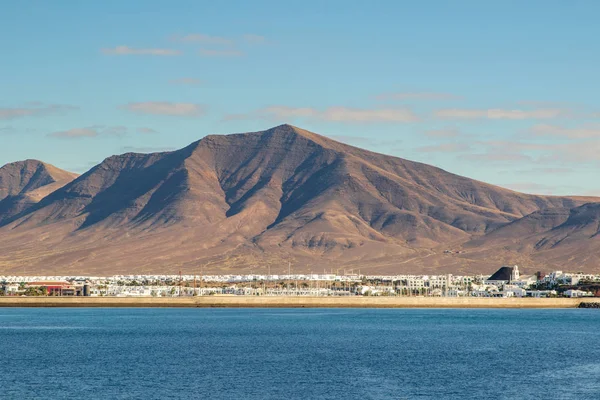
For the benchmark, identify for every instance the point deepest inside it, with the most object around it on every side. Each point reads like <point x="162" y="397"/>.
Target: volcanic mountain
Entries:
<point x="24" y="183"/>
<point x="247" y="201"/>
<point x="562" y="237"/>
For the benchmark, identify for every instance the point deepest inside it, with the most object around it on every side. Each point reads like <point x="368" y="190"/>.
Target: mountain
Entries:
<point x="246" y="201"/>
<point x="558" y="237"/>
<point x="24" y="183"/>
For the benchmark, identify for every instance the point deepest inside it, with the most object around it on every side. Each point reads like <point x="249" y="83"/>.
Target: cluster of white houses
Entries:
<point x="506" y="282"/>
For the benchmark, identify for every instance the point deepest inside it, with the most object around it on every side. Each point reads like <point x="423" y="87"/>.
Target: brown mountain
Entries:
<point x="24" y="183"/>
<point x="246" y="201"/>
<point x="560" y="237"/>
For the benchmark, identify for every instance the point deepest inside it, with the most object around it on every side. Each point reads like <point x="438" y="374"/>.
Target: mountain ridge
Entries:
<point x="264" y="197"/>
<point x="24" y="183"/>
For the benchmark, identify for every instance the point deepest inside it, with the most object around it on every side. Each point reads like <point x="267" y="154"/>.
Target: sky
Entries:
<point x="506" y="92"/>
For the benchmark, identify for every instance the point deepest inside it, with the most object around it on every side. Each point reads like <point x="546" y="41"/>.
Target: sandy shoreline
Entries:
<point x="292" y="302"/>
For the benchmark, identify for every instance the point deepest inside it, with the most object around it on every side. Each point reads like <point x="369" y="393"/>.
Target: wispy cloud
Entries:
<point x="166" y="108"/>
<point x="34" y="109"/>
<point x="496" y="157"/>
<point x="128" y="51"/>
<point x="185" y="81"/>
<point x="431" y="96"/>
<point x="367" y="115"/>
<point x="543" y="130"/>
<point x="572" y="153"/>
<point x="220" y="53"/>
<point x="89" y="132"/>
<point x="365" y="141"/>
<point x="543" y="171"/>
<point x="540" y="188"/>
<point x="221" y="46"/>
<point x="530" y="187"/>
<point x="146" y="130"/>
<point x="498" y="113"/>
<point x="555" y="155"/>
<point x="333" y="114"/>
<point x="448" y="133"/>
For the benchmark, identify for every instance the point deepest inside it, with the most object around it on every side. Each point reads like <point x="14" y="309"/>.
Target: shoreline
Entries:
<point x="293" y="302"/>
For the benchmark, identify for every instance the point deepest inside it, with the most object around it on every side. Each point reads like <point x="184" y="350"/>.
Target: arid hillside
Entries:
<point x="24" y="183"/>
<point x="254" y="200"/>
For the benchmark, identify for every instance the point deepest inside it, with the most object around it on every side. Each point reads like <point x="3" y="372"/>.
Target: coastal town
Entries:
<point x="506" y="282"/>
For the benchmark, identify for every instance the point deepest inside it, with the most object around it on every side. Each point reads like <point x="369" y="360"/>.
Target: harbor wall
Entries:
<point x="293" y="302"/>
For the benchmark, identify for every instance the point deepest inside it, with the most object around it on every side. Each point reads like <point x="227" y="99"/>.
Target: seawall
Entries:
<point x="292" y="302"/>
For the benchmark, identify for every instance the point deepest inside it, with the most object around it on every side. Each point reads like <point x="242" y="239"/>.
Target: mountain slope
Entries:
<point x="24" y="183"/>
<point x="264" y="197"/>
<point x="560" y="237"/>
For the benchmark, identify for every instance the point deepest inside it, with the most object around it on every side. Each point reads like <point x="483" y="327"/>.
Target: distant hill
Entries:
<point x="560" y="237"/>
<point x="246" y="201"/>
<point x="24" y="183"/>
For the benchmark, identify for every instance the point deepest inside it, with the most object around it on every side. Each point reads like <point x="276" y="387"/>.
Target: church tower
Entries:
<point x="514" y="276"/>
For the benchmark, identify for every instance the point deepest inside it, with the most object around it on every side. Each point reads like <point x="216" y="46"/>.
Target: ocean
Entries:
<point x="120" y="353"/>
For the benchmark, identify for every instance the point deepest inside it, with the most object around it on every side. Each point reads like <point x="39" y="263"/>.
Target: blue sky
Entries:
<point x="501" y="91"/>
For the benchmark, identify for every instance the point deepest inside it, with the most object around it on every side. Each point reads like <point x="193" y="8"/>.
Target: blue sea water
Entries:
<point x="299" y="354"/>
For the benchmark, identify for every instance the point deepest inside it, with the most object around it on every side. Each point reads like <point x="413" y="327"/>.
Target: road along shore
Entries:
<point x="293" y="302"/>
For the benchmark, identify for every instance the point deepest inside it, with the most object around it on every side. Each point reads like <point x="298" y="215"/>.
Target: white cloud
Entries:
<point x="498" y="113"/>
<point x="34" y="109"/>
<point x="337" y="114"/>
<point x="417" y="96"/>
<point x="220" y="53"/>
<point x="166" y="108"/>
<point x="126" y="51"/>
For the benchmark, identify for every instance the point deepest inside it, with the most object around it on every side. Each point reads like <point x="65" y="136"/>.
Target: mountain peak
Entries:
<point x="28" y="175"/>
<point x="276" y="135"/>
